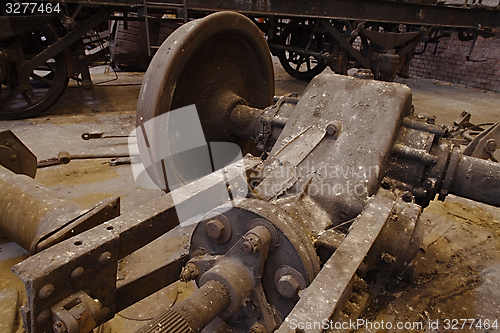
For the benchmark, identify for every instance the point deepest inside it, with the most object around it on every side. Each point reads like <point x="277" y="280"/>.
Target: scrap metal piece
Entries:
<point x="320" y="300"/>
<point x="101" y="135"/>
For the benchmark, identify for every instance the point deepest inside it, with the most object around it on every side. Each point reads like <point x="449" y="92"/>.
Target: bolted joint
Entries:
<point x="189" y="272"/>
<point x="214" y="229"/>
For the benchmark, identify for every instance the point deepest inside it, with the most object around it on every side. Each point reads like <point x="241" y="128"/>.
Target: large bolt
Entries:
<point x="59" y="327"/>
<point x="251" y="243"/>
<point x="288" y="286"/>
<point x="490" y="145"/>
<point x="214" y="229"/>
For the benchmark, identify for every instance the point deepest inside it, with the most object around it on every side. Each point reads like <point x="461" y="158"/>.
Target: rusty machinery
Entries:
<point x="336" y="196"/>
<point x="38" y="53"/>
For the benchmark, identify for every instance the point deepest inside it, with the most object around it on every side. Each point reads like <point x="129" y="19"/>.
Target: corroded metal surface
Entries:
<point x="216" y="63"/>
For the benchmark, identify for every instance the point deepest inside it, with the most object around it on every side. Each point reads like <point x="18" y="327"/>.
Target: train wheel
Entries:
<point x="302" y="67"/>
<point x="46" y="83"/>
<point x="215" y="63"/>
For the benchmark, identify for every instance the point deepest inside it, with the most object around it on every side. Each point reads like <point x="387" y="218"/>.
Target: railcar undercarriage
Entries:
<point x="291" y="236"/>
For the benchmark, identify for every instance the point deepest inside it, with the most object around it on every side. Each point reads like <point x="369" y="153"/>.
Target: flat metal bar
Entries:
<point x="320" y="300"/>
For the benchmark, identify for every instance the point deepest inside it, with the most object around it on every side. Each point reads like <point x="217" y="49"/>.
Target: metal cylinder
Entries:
<point x="192" y="314"/>
<point x="244" y="121"/>
<point x="477" y="179"/>
<point x="29" y="211"/>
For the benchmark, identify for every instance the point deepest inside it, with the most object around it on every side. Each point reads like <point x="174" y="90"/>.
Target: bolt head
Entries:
<point x="46" y="291"/>
<point x="287" y="286"/>
<point x="388" y="258"/>
<point x="13" y="157"/>
<point x="331" y="129"/>
<point x="407" y="196"/>
<point x="490" y="145"/>
<point x="105" y="257"/>
<point x="77" y="273"/>
<point x="214" y="229"/>
<point x="44" y="316"/>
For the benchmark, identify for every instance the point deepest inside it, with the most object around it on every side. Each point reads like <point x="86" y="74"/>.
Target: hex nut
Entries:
<point x="214" y="229"/>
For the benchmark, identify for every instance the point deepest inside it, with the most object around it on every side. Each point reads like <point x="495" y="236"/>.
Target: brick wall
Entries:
<point x="449" y="63"/>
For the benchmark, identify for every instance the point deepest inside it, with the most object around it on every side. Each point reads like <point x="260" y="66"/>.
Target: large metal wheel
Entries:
<point x="301" y="34"/>
<point x="46" y="83"/>
<point x="215" y="63"/>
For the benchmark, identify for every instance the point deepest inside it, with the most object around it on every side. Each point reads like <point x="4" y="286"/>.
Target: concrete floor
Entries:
<point x="458" y="275"/>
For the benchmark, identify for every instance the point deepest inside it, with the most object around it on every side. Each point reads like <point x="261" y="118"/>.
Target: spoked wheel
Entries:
<point x="215" y="63"/>
<point x="298" y="35"/>
<point x="26" y="94"/>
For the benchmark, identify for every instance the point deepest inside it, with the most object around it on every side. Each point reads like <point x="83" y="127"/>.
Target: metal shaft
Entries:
<point x="192" y="314"/>
<point x="29" y="211"/>
<point x="477" y="179"/>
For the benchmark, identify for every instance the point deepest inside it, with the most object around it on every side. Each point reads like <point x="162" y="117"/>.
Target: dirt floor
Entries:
<point x="458" y="268"/>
